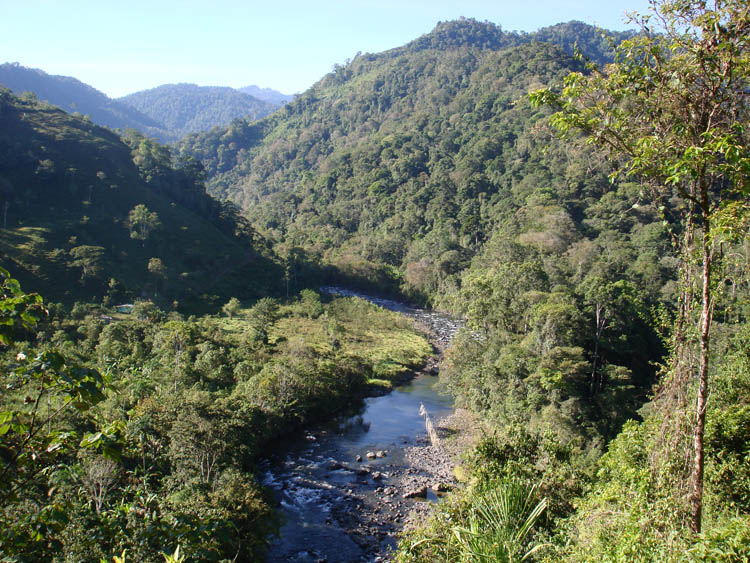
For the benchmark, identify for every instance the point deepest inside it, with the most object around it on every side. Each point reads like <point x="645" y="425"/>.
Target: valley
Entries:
<point x="230" y="318"/>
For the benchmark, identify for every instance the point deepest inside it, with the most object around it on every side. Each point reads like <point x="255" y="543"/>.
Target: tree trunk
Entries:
<point x="601" y="322"/>
<point x="696" y="495"/>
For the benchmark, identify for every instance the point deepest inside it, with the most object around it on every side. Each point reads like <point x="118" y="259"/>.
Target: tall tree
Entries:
<point x="158" y="270"/>
<point x="142" y="222"/>
<point x="89" y="258"/>
<point x="672" y="110"/>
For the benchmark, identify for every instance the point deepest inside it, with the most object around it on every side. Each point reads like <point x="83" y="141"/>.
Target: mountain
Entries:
<point x="187" y="108"/>
<point x="88" y="214"/>
<point x="72" y="95"/>
<point x="165" y="113"/>
<point x="267" y="94"/>
<point x="425" y="169"/>
<point x="398" y="146"/>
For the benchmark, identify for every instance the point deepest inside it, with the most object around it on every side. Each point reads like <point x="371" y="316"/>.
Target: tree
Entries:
<point x="142" y="222"/>
<point x="89" y="258"/>
<point x="231" y="307"/>
<point x="672" y="110"/>
<point x="35" y="448"/>
<point x="157" y="269"/>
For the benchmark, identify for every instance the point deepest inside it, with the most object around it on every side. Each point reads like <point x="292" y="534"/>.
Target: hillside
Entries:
<point x="187" y="108"/>
<point x="425" y="169"/>
<point x="423" y="142"/>
<point x="70" y="190"/>
<point x="74" y="96"/>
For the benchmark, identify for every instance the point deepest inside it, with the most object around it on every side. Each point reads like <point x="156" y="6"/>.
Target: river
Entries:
<point x="338" y="509"/>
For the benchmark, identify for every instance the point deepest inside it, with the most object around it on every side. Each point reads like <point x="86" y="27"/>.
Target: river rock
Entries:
<point x="420" y="492"/>
<point x="370" y="455"/>
<point x="377" y="475"/>
<point x="441" y="487"/>
<point x="332" y="465"/>
<point x="358" y="458"/>
<point x="381" y="453"/>
<point x="362" y="471"/>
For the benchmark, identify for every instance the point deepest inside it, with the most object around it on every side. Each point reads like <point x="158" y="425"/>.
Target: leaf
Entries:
<point x="91" y="440"/>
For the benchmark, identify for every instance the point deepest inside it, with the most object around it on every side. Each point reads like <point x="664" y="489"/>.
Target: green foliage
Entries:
<point x="500" y="522"/>
<point x="231" y="307"/>
<point x="86" y="190"/>
<point x="494" y="521"/>
<point x="168" y="458"/>
<point x="89" y="259"/>
<point x="45" y="419"/>
<point x="673" y="108"/>
<point x="727" y="542"/>
<point x="187" y="108"/>
<point x="142" y="222"/>
<point x="17" y="309"/>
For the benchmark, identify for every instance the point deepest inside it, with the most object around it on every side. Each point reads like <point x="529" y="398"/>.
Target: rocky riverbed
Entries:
<point x="367" y="501"/>
<point x="347" y="490"/>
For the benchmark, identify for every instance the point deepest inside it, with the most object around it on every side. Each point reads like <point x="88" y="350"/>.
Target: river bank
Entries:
<point x="347" y="489"/>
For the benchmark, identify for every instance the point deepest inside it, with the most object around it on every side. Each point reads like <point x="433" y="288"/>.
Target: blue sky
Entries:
<point x="120" y="47"/>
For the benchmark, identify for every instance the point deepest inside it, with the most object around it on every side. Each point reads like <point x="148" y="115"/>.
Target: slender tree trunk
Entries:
<point x="696" y="495"/>
<point x="601" y="322"/>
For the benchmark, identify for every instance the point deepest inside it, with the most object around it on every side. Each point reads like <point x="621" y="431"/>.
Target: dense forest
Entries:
<point x="187" y="108"/>
<point x="579" y="198"/>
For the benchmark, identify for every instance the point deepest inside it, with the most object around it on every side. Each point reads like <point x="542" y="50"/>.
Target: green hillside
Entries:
<point x="590" y="224"/>
<point x="187" y="108"/>
<point x="74" y="96"/>
<point x="68" y="190"/>
<point x="426" y="170"/>
<point x="406" y="158"/>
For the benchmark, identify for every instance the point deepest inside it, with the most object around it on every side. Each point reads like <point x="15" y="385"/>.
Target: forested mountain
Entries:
<point x="426" y="162"/>
<point x="74" y="96"/>
<point x="426" y="168"/>
<point x="590" y="227"/>
<point x="267" y="94"/>
<point x="165" y="113"/>
<point x="87" y="214"/>
<point x="187" y="108"/>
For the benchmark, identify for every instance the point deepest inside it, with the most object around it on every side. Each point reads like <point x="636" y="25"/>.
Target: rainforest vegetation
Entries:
<point x="579" y="197"/>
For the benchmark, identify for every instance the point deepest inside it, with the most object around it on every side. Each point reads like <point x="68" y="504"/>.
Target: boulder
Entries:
<point x="416" y="492"/>
<point x="441" y="487"/>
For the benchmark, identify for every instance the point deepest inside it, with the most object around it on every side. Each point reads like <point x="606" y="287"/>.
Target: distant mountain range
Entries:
<point x="187" y="108"/>
<point x="267" y="95"/>
<point x="166" y="113"/>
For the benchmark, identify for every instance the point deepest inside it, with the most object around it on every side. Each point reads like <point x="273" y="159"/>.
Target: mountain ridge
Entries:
<point x="69" y="192"/>
<point x="188" y="108"/>
<point x="165" y="112"/>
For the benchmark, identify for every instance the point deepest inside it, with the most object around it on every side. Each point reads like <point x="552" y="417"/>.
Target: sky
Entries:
<point x="123" y="46"/>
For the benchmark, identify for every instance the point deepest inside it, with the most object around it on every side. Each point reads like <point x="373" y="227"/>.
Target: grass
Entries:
<point x="384" y="340"/>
